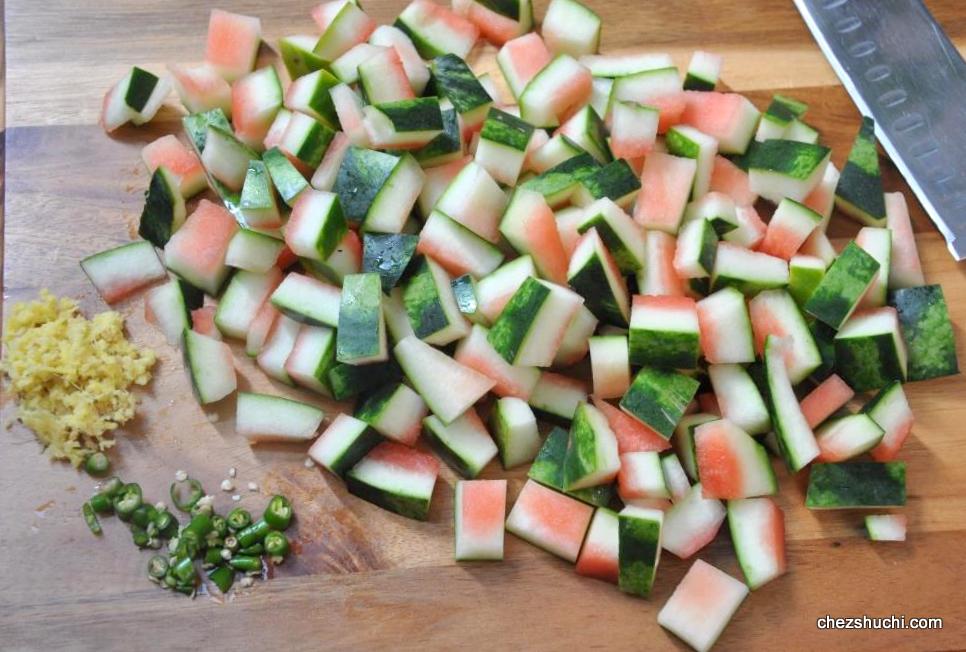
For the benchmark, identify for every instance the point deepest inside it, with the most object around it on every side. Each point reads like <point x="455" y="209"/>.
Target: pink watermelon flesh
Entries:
<point x="261" y="328"/>
<point x="197" y="250"/>
<point x="438" y="17"/>
<point x="550" y="520"/>
<point x="632" y="435"/>
<point x="598" y="562"/>
<point x="660" y="276"/>
<point x="527" y="55"/>
<point x="665" y="188"/>
<point x="203" y="322"/>
<point x="483" y="510"/>
<point x="276" y="133"/>
<point x="731" y="180"/>
<point x="571" y="94"/>
<point x="702" y="605"/>
<point x="692" y="523"/>
<point x="721" y="469"/>
<point x="393" y="81"/>
<point x="751" y="225"/>
<point x="475" y="352"/>
<point x="717" y="114"/>
<point x="495" y="28"/>
<point x="823" y="401"/>
<point x="599" y="556"/>
<point x="708" y="403"/>
<point x="671" y="109"/>
<point x="233" y="41"/>
<point x="897" y="429"/>
<point x="252" y="114"/>
<point x="394" y="455"/>
<point x="180" y="161"/>
<point x="201" y="88"/>
<point x="783" y="239"/>
<point x="905" y="269"/>
<point x="545" y="246"/>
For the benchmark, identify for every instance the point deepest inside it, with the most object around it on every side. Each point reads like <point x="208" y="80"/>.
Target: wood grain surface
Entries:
<point x="365" y="578"/>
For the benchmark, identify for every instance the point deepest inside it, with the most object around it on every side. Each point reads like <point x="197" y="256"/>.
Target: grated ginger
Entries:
<point x="71" y="375"/>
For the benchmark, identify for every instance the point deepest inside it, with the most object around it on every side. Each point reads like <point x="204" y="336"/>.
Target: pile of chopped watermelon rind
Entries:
<point x="453" y="250"/>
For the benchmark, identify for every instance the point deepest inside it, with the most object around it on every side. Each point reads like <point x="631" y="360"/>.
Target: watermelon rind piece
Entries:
<point x="362" y="325"/>
<point x="658" y="398"/>
<point x="856" y="485"/>
<point x="859" y="192"/>
<point x="639" y="549"/>
<point x="927" y="331"/>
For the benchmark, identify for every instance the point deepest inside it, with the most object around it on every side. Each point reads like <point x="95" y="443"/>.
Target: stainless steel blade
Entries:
<point x="900" y="67"/>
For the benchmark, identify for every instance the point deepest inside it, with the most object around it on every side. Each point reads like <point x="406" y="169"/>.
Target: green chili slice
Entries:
<point x="91" y="518"/>
<point x="102" y="503"/>
<point x="253" y="533"/>
<point x="246" y="563"/>
<point x="184" y="571"/>
<point x="213" y="556"/>
<point x="276" y="544"/>
<point x="126" y="500"/>
<point x="144" y="515"/>
<point x="239" y="519"/>
<point x="111" y="486"/>
<point x="219" y="524"/>
<point x="222" y="577"/>
<point x="140" y="537"/>
<point x="157" y="567"/>
<point x="97" y="464"/>
<point x="194" y="493"/>
<point x="278" y="514"/>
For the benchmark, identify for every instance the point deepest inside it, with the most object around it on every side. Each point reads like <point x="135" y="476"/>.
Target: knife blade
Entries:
<point x="900" y="67"/>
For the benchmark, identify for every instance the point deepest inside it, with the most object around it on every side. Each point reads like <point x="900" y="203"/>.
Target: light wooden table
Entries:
<point x="366" y="578"/>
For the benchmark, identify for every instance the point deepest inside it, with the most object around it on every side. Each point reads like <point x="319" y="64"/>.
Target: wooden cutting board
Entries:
<point x="366" y="578"/>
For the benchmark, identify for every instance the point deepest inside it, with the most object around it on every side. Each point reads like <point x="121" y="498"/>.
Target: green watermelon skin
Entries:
<point x="859" y="192"/>
<point x="927" y="331"/>
<point x="658" y="398"/>
<point x="839" y="292"/>
<point x="388" y="254"/>
<point x="348" y="380"/>
<point x="548" y="470"/>
<point x="856" y="485"/>
<point x="639" y="550"/>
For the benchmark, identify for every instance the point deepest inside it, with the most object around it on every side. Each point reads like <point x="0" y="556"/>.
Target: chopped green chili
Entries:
<point x="184" y="570"/>
<point x="143" y="515"/>
<point x="111" y="486"/>
<point x="189" y="545"/>
<point x="278" y="514"/>
<point x="102" y="503"/>
<point x="140" y="536"/>
<point x="246" y="563"/>
<point x="276" y="544"/>
<point x="213" y="556"/>
<point x="166" y="523"/>
<point x="186" y="502"/>
<point x="97" y="464"/>
<point x="91" y="518"/>
<point x="219" y="524"/>
<point x="222" y="577"/>
<point x="126" y="500"/>
<point x="253" y="533"/>
<point x="200" y="525"/>
<point x="157" y="567"/>
<point x="239" y="519"/>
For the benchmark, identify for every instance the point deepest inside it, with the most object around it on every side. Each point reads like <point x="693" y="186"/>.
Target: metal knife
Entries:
<point x="900" y="67"/>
